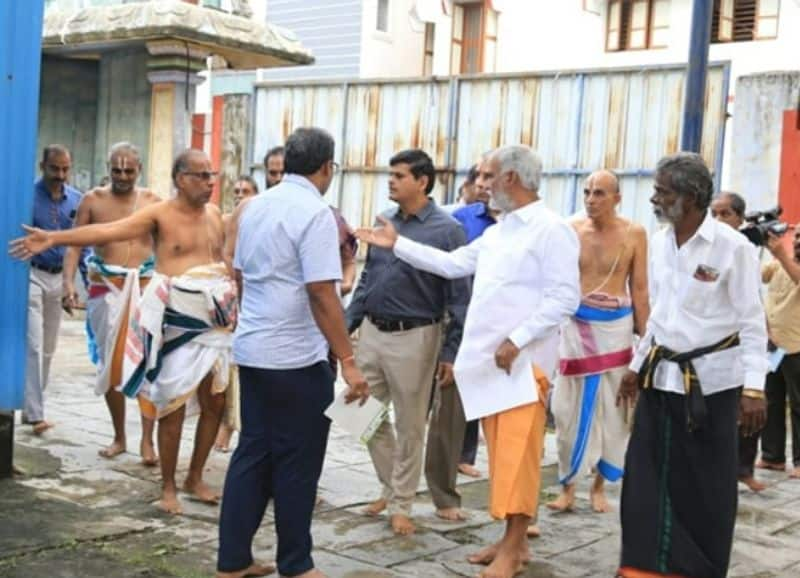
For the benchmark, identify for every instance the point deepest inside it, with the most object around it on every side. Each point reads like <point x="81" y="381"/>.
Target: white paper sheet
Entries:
<point x="775" y="358"/>
<point x="360" y="420"/>
<point x="486" y="390"/>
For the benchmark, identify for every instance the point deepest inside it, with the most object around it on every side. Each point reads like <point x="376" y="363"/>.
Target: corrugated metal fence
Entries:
<point x="622" y="119"/>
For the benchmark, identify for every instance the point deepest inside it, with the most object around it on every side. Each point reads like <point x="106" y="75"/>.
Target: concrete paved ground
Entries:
<point x="75" y="515"/>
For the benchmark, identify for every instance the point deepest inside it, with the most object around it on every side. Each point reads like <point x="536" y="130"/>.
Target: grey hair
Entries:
<point x="688" y="175"/>
<point x="738" y="204"/>
<point x="524" y="161"/>
<point x="181" y="163"/>
<point x="124" y="147"/>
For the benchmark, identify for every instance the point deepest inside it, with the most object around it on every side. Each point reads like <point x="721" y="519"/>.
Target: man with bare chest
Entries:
<point x="178" y="344"/>
<point x="109" y="286"/>
<point x="596" y="344"/>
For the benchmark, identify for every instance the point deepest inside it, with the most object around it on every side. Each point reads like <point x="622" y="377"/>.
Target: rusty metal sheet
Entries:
<point x="622" y="119"/>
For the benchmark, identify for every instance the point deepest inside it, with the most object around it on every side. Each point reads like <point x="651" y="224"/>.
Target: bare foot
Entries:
<point x="505" y="565"/>
<point x="376" y="507"/>
<point x="112" y="450"/>
<point x="533" y="531"/>
<point x="40" y="427"/>
<point x="566" y="501"/>
<point x="402" y="525"/>
<point x="148" y="453"/>
<point x="469" y="470"/>
<point x="223" y="441"/>
<point x="451" y="514"/>
<point x="314" y="573"/>
<point x="752" y="483"/>
<point x="597" y="497"/>
<point x="795" y="473"/>
<point x="170" y="503"/>
<point x="485" y="556"/>
<point x="252" y="570"/>
<point x="765" y="465"/>
<point x="201" y="492"/>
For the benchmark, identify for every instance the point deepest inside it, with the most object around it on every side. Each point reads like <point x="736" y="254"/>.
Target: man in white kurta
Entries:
<point x="526" y="285"/>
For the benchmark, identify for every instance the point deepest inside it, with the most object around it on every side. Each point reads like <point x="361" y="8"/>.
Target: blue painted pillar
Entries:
<point x="20" y="60"/>
<point x="694" y="96"/>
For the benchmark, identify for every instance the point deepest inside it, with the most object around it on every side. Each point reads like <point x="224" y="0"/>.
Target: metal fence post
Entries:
<point x="694" y="96"/>
<point x="20" y="61"/>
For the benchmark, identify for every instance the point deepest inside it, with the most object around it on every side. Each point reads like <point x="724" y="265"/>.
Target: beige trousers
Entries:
<point x="399" y="367"/>
<point x="44" y="319"/>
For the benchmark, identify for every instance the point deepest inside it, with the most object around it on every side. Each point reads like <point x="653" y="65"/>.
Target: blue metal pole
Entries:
<point x="694" y="96"/>
<point x="20" y="61"/>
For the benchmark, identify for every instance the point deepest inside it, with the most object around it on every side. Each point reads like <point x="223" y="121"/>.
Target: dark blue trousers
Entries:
<point x="279" y="456"/>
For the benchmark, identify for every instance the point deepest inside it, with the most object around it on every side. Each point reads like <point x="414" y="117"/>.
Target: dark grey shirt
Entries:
<point x="392" y="289"/>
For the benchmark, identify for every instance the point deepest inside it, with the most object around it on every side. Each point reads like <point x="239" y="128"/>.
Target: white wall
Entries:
<point x="396" y="53"/>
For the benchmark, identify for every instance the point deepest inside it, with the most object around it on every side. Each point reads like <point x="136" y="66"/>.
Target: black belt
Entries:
<point x="53" y="270"/>
<point x="695" y="402"/>
<point x="390" y="325"/>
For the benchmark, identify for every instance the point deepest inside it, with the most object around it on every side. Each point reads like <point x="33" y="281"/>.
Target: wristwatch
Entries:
<point x="753" y="393"/>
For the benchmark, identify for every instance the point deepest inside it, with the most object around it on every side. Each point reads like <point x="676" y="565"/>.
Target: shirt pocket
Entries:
<point x="699" y="296"/>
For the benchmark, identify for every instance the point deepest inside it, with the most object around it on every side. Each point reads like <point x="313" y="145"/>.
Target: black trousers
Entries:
<point x="679" y="494"/>
<point x="279" y="457"/>
<point x="782" y="383"/>
<point x="748" y="450"/>
<point x="469" y="452"/>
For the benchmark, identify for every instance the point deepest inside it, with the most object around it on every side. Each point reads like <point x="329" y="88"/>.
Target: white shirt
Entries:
<point x="687" y="312"/>
<point x="526" y="283"/>
<point x="287" y="238"/>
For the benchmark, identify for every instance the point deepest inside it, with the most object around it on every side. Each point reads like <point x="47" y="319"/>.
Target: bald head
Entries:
<point x="605" y="179"/>
<point x="601" y="194"/>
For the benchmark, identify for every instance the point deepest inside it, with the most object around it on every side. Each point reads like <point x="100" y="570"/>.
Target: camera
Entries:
<point x="759" y="224"/>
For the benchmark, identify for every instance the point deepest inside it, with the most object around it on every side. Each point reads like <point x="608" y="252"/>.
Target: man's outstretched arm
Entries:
<point x="38" y="240"/>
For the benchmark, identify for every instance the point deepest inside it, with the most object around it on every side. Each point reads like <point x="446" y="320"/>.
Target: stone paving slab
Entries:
<point x="75" y="514"/>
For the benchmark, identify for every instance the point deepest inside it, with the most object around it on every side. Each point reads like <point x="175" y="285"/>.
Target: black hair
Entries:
<point x="249" y="179"/>
<point x="274" y="152"/>
<point x="307" y="150"/>
<point x="419" y="163"/>
<point x="53" y="149"/>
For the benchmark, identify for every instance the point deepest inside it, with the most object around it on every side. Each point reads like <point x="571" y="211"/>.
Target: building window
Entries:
<point x="474" y="45"/>
<point x="382" y="21"/>
<point x="637" y="24"/>
<point x="427" y="58"/>
<point x="744" y="20"/>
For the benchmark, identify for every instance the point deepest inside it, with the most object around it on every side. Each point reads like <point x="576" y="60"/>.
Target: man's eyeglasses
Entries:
<point x="336" y="167"/>
<point x="203" y="175"/>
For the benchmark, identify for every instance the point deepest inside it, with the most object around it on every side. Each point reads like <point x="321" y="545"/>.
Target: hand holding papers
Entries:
<point x="361" y="420"/>
<point x="486" y="389"/>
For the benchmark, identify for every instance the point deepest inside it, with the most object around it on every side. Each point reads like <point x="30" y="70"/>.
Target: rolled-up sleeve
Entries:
<point x="318" y="249"/>
<point x="561" y="293"/>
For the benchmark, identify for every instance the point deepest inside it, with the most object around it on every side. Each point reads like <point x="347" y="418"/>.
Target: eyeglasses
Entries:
<point x="336" y="167"/>
<point x="204" y="175"/>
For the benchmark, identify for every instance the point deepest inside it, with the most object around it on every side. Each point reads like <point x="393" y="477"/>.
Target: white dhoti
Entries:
<point x="180" y="332"/>
<point x="110" y="292"/>
<point x="591" y="431"/>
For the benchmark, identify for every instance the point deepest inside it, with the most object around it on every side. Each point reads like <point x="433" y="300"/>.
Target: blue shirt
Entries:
<point x="475" y="219"/>
<point x="53" y="215"/>
<point x="288" y="238"/>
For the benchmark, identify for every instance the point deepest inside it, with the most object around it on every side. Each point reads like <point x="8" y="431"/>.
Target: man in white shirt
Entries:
<point x="526" y="285"/>
<point x="287" y="258"/>
<point x="701" y="368"/>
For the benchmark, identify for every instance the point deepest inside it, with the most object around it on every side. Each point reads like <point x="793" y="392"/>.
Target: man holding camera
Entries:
<point x="782" y="277"/>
